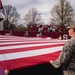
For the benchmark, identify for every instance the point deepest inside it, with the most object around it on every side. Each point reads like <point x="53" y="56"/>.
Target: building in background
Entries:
<point x="1" y="17"/>
<point x="1" y="22"/>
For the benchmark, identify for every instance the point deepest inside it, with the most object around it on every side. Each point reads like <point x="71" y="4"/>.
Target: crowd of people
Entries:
<point x="53" y="28"/>
<point x="46" y="28"/>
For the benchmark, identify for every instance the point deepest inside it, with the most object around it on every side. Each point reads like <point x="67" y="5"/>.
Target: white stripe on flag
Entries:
<point x="24" y="46"/>
<point x="24" y="54"/>
<point x="5" y="43"/>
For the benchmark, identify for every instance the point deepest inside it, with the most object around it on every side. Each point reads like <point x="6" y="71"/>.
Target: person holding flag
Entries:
<point x="67" y="55"/>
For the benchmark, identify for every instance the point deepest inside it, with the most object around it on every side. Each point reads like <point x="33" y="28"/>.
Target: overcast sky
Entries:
<point x="43" y="6"/>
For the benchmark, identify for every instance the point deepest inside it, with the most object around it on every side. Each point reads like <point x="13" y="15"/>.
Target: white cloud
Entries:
<point x="43" y="6"/>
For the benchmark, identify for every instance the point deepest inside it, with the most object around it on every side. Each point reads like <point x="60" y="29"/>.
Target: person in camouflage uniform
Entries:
<point x="67" y="55"/>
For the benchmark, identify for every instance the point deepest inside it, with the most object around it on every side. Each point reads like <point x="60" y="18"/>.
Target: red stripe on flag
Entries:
<point x="28" y="48"/>
<point x="28" y="62"/>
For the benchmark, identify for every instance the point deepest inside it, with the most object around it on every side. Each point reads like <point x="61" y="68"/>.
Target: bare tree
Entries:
<point x="32" y="17"/>
<point x="62" y="13"/>
<point x="10" y="16"/>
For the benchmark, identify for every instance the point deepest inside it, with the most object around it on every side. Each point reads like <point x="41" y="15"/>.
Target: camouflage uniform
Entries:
<point x="67" y="58"/>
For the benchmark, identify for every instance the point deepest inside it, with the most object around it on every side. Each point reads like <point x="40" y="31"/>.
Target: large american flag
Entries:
<point x="22" y="52"/>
